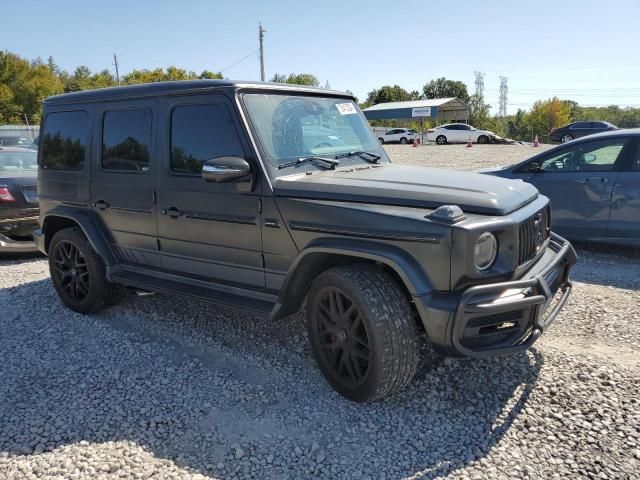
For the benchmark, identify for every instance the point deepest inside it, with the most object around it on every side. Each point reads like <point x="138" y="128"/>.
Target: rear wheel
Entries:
<point x="566" y="138"/>
<point x="403" y="140"/>
<point x="78" y="273"/>
<point x="441" y="140"/>
<point x="362" y="332"/>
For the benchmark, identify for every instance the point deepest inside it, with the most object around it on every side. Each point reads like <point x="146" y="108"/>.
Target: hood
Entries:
<point x="392" y="184"/>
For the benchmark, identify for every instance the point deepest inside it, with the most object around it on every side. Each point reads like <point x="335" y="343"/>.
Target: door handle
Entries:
<point x="173" y="212"/>
<point x="101" y="204"/>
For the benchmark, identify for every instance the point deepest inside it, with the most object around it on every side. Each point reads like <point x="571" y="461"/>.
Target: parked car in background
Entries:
<point x="398" y="135"/>
<point x="593" y="184"/>
<point x="15" y="141"/>
<point x="458" y="133"/>
<point x="18" y="199"/>
<point x="578" y="130"/>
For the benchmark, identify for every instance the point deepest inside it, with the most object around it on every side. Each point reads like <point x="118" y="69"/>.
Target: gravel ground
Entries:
<point x="162" y="387"/>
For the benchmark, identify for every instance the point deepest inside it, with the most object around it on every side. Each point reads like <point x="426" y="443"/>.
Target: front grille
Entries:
<point x="532" y="235"/>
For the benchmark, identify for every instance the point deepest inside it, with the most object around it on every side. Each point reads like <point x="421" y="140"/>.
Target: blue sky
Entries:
<point x="581" y="50"/>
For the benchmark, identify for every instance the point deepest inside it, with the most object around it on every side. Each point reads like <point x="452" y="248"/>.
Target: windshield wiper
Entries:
<point x="327" y="162"/>
<point x="368" y="156"/>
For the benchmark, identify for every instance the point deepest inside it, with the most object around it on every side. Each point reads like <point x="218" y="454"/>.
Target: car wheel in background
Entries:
<point x="78" y="273"/>
<point x="403" y="140"/>
<point x="441" y="140"/>
<point x="566" y="138"/>
<point x="362" y="331"/>
<point x="381" y="140"/>
<point x="482" y="139"/>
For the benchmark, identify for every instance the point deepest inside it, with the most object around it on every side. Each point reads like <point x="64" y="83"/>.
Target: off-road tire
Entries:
<point x="441" y="140"/>
<point x="389" y="324"/>
<point x="101" y="293"/>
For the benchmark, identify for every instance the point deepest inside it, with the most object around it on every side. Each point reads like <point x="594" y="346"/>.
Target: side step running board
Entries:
<point x="220" y="296"/>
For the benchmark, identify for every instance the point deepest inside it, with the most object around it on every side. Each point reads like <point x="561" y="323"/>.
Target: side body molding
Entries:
<point x="321" y="253"/>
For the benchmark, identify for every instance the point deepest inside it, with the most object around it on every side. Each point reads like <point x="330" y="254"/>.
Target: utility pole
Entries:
<point x="261" y="32"/>
<point x="115" y="62"/>
<point x="502" y="111"/>
<point x="479" y="84"/>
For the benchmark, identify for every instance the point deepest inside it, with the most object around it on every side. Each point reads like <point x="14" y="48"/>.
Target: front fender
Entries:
<point x="321" y="253"/>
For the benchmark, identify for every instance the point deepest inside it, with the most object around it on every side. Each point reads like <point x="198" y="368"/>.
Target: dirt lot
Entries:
<point x="160" y="387"/>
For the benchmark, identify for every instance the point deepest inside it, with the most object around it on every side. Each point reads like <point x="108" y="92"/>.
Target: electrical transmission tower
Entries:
<point x="479" y="84"/>
<point x="502" y="111"/>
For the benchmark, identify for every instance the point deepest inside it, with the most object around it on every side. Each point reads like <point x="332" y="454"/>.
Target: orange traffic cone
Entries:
<point x="469" y="144"/>
<point x="536" y="142"/>
<point x="416" y="142"/>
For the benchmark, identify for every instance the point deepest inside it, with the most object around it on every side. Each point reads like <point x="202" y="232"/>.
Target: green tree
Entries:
<point x="548" y="114"/>
<point x="443" y="88"/>
<point x="518" y="127"/>
<point x="387" y="94"/>
<point x="479" y="112"/>
<point x="297" y="79"/>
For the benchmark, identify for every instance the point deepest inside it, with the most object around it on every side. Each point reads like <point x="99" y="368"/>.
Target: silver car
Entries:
<point x="593" y="184"/>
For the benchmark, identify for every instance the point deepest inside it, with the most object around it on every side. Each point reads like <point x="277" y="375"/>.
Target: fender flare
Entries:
<point x="87" y="223"/>
<point x="313" y="259"/>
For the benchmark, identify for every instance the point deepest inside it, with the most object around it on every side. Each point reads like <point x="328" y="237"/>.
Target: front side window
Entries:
<point x="200" y="133"/>
<point x="598" y="156"/>
<point x="126" y="140"/>
<point x="290" y="127"/>
<point x="64" y="140"/>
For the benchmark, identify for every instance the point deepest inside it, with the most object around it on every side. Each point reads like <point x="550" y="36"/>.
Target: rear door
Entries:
<point x="123" y="179"/>
<point x="580" y="129"/>
<point x="579" y="180"/>
<point x="625" y="202"/>
<point x="207" y="231"/>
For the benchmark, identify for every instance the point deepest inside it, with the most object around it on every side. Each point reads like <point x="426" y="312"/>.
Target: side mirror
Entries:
<point x="225" y="169"/>
<point x="534" y="167"/>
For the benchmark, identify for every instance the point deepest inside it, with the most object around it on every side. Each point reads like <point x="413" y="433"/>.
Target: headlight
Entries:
<point x="485" y="251"/>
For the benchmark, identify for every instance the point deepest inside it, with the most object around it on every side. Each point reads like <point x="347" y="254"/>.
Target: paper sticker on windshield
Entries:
<point x="346" y="108"/>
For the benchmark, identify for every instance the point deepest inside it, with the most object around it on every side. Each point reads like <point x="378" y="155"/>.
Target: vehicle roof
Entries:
<point x="177" y="87"/>
<point x="612" y="133"/>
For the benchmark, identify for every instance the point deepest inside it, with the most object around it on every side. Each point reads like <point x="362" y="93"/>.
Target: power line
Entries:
<point x="235" y="63"/>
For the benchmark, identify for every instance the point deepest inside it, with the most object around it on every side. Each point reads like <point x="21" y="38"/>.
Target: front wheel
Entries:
<point x="441" y="140"/>
<point x="362" y="331"/>
<point x="482" y="139"/>
<point x="381" y="140"/>
<point x="403" y="141"/>
<point x="78" y="273"/>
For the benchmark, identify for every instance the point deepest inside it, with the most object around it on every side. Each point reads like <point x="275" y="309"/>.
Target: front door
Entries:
<point x="579" y="180"/>
<point x="625" y="202"/>
<point x="207" y="231"/>
<point x="122" y="179"/>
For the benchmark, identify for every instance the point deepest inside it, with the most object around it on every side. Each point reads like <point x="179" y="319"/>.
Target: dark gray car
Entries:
<point x="226" y="192"/>
<point x="593" y="184"/>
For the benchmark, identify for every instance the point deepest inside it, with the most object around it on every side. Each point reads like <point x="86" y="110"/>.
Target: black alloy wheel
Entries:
<point x="71" y="270"/>
<point x="342" y="337"/>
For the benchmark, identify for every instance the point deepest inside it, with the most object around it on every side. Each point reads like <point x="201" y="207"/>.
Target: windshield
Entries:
<point x="18" y="161"/>
<point x="293" y="126"/>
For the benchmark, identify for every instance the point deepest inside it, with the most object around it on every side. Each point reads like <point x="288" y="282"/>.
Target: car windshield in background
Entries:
<point x="18" y="162"/>
<point x="15" y="141"/>
<point x="292" y="126"/>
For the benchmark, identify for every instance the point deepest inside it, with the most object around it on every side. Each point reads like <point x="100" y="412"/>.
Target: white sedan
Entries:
<point x="458" y="133"/>
<point x="400" y="135"/>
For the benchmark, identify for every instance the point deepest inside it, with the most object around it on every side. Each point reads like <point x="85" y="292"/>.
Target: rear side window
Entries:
<point x="126" y="140"/>
<point x="64" y="140"/>
<point x="200" y="133"/>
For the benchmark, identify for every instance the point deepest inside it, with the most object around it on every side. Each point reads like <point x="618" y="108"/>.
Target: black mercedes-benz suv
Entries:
<point x="271" y="197"/>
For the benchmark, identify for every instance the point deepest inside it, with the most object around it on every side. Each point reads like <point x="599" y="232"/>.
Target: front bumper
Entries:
<point x="505" y="317"/>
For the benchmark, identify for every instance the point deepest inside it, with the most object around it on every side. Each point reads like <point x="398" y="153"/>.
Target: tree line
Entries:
<point x="24" y="84"/>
